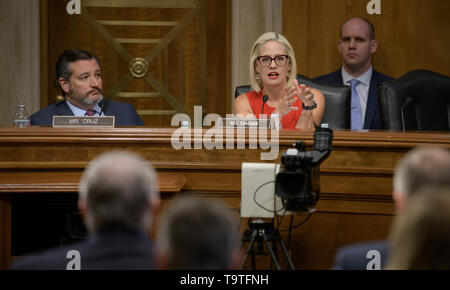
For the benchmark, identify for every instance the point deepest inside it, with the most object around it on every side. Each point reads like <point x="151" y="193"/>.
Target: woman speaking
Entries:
<point x="273" y="71"/>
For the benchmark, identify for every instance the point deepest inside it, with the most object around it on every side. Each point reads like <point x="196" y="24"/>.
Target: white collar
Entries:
<point x="364" y="78"/>
<point x="78" y="112"/>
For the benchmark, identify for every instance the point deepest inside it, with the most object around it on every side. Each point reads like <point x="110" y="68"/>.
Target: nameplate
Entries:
<point x="244" y="123"/>
<point x="72" y="121"/>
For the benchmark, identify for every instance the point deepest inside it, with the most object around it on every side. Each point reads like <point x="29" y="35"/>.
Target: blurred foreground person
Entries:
<point x="117" y="198"/>
<point x="198" y="234"/>
<point x="420" y="236"/>
<point x="419" y="168"/>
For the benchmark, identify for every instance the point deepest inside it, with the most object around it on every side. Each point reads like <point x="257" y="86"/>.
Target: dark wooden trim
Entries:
<point x="3" y="235"/>
<point x="229" y="94"/>
<point x="356" y="179"/>
<point x="43" y="7"/>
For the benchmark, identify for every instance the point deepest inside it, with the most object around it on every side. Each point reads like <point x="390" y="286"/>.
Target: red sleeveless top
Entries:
<point x="288" y="122"/>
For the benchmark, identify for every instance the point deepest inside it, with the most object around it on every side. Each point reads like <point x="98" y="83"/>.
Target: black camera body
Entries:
<point x="297" y="182"/>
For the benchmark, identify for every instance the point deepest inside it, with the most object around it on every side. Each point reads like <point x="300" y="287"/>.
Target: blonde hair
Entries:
<point x="271" y="36"/>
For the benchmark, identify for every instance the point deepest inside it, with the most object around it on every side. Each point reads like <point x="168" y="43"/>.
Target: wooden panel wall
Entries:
<point x="193" y="68"/>
<point x="19" y="57"/>
<point x="412" y="34"/>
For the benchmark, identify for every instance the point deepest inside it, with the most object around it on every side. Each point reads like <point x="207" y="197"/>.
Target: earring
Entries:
<point x="257" y="76"/>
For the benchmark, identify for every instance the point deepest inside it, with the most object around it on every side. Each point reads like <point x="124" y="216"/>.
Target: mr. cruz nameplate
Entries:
<point x="72" y="121"/>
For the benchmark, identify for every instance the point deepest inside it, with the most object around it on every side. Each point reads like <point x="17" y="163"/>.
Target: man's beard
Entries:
<point x="86" y="100"/>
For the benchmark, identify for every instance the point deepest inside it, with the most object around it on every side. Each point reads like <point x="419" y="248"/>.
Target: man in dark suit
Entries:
<point x="420" y="168"/>
<point x="79" y="77"/>
<point x="356" y="46"/>
<point x="117" y="198"/>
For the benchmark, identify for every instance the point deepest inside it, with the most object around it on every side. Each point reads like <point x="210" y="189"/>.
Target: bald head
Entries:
<point x="118" y="188"/>
<point x="423" y="166"/>
<point x="356" y="46"/>
<point x="361" y="23"/>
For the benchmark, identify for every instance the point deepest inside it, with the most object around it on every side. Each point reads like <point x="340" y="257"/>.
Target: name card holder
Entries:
<point x="244" y="123"/>
<point x="74" y="122"/>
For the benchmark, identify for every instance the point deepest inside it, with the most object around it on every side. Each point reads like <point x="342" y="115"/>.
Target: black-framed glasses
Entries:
<point x="265" y="60"/>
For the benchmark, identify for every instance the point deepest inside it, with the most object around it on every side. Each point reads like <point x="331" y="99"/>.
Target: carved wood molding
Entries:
<point x="357" y="177"/>
<point x="138" y="67"/>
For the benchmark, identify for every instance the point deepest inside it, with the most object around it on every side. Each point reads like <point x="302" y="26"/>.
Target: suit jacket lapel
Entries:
<point x="339" y="78"/>
<point x="372" y="101"/>
<point x="109" y="110"/>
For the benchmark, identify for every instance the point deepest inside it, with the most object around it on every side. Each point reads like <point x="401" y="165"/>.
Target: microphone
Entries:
<point x="265" y="99"/>
<point x="102" y="105"/>
<point x="408" y="100"/>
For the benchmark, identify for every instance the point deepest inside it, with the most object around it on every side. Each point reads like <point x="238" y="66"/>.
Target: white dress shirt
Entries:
<point x="78" y="112"/>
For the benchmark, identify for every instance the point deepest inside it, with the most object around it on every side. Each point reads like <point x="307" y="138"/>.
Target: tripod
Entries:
<point x="258" y="232"/>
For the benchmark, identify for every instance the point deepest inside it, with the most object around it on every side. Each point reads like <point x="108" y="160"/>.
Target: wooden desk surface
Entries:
<point x="356" y="179"/>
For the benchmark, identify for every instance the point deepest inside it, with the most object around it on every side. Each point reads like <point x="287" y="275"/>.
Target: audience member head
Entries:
<point x="197" y="234"/>
<point x="422" y="166"/>
<point x="256" y="79"/>
<point x="118" y="189"/>
<point x="356" y="45"/>
<point x="420" y="236"/>
<point x="78" y="75"/>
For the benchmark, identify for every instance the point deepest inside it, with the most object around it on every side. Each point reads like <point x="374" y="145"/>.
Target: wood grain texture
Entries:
<point x="356" y="179"/>
<point x="68" y="182"/>
<point x="19" y="57"/>
<point x="411" y="34"/>
<point x="188" y="65"/>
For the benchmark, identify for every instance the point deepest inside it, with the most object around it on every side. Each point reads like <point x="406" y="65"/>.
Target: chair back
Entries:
<point x="417" y="101"/>
<point x="337" y="102"/>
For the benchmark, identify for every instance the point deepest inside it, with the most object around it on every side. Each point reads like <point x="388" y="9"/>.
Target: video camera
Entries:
<point x="297" y="182"/>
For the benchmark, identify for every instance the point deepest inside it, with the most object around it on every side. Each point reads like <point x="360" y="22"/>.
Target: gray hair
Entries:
<point x="271" y="36"/>
<point x="197" y="234"/>
<point x="118" y="188"/>
<point x="423" y="166"/>
<point x="420" y="236"/>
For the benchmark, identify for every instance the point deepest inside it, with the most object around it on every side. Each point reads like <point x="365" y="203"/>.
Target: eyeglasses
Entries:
<point x="265" y="60"/>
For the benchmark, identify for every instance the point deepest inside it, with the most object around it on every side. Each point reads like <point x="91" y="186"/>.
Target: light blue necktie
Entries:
<point x="356" y="116"/>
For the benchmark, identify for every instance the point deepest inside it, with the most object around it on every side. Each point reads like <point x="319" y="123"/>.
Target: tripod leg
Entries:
<point x="285" y="251"/>
<point x="249" y="248"/>
<point x="275" y="249"/>
<point x="274" y="258"/>
<point x="253" y="259"/>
